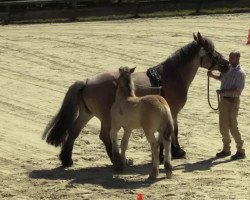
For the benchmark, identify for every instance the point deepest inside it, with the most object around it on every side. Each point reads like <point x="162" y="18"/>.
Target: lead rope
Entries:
<point x="208" y="98"/>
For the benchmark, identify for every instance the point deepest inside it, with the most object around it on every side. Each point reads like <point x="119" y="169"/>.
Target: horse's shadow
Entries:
<point x="200" y="165"/>
<point x="98" y="176"/>
<point x="104" y="175"/>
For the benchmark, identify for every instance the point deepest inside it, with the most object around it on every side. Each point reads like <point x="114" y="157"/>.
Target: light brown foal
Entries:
<point x="150" y="112"/>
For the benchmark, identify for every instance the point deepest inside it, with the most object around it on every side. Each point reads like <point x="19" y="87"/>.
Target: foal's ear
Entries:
<point x="200" y="39"/>
<point x="132" y="70"/>
<point x="121" y="69"/>
<point x="195" y="37"/>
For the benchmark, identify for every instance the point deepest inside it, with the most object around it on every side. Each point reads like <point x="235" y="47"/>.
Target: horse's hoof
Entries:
<point x="117" y="169"/>
<point x="67" y="163"/>
<point x="178" y="154"/>
<point x="129" y="162"/>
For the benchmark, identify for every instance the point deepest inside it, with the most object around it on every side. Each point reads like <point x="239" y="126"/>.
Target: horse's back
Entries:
<point x="99" y="94"/>
<point x="143" y="85"/>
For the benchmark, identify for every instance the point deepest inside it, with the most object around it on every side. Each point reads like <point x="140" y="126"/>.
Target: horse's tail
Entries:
<point x="56" y="132"/>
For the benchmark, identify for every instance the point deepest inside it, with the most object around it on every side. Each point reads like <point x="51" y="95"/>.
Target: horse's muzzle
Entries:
<point x="223" y="65"/>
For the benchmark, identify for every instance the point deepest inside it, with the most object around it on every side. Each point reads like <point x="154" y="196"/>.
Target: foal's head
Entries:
<point x="125" y="82"/>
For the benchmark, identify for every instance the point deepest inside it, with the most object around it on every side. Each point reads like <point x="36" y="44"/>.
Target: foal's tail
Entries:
<point x="168" y="125"/>
<point x="56" y="131"/>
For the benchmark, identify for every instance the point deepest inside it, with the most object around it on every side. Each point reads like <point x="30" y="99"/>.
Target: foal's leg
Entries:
<point x="66" y="152"/>
<point x="124" y="144"/>
<point x="117" y="161"/>
<point x="167" y="164"/>
<point x="155" y="154"/>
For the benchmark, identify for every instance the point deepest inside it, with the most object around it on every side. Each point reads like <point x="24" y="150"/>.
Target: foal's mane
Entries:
<point x="187" y="53"/>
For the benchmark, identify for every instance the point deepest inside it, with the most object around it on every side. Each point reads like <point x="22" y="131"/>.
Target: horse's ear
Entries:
<point x="132" y="70"/>
<point x="195" y="37"/>
<point x="200" y="39"/>
<point x="121" y="69"/>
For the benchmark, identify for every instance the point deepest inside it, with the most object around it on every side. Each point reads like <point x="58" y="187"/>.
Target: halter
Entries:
<point x="211" y="56"/>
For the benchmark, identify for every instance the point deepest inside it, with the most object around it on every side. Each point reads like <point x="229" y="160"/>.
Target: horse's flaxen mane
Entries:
<point x="185" y="54"/>
<point x="125" y="81"/>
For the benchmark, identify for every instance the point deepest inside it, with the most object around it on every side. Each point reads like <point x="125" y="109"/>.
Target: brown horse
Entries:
<point x="94" y="97"/>
<point x="150" y="112"/>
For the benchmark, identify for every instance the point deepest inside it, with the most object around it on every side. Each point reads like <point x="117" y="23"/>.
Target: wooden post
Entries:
<point x="74" y="10"/>
<point x="198" y="8"/>
<point x="137" y="9"/>
<point x="8" y="9"/>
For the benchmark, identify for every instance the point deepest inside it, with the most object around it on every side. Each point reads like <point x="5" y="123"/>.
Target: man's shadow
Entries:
<point x="201" y="165"/>
<point x="98" y="176"/>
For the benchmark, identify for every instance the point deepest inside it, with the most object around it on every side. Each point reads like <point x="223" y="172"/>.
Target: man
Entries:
<point x="232" y="84"/>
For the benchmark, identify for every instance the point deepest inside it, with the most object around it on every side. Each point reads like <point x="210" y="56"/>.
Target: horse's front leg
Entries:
<point x="176" y="150"/>
<point x="117" y="160"/>
<point x="124" y="145"/>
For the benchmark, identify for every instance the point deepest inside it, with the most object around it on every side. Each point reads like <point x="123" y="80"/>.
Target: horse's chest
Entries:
<point x="128" y="116"/>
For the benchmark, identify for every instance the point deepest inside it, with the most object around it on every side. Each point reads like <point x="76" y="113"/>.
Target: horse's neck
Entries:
<point x="185" y="73"/>
<point x="189" y="71"/>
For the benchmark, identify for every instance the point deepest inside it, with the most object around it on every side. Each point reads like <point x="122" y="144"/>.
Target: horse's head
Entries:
<point x="209" y="57"/>
<point x="124" y="81"/>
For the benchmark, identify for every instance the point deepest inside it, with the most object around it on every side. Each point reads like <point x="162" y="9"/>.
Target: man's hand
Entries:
<point x="209" y="73"/>
<point x="220" y="91"/>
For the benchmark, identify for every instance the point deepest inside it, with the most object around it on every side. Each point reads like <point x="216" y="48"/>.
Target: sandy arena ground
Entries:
<point x="39" y="62"/>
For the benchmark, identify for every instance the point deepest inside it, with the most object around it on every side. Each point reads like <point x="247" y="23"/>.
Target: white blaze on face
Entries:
<point x="202" y="52"/>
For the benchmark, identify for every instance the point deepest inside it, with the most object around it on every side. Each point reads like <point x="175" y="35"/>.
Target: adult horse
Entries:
<point x="94" y="97"/>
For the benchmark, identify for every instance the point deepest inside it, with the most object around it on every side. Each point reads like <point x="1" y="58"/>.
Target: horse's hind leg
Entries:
<point x="161" y="155"/>
<point x="124" y="145"/>
<point x="105" y="135"/>
<point x="79" y="123"/>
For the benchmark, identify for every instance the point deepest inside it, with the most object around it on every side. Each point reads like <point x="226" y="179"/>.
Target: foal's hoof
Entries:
<point x="151" y="178"/>
<point x="153" y="174"/>
<point x="169" y="174"/>
<point x="178" y="153"/>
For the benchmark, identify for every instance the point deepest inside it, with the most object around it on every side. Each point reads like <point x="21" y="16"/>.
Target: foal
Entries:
<point x="151" y="113"/>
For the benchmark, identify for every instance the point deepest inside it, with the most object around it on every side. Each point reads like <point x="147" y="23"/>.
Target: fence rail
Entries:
<point x="16" y="10"/>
